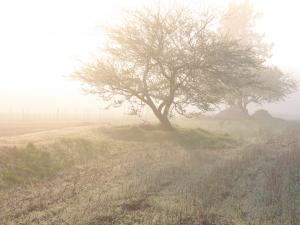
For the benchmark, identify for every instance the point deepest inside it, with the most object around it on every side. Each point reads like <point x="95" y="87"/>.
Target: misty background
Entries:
<point x="43" y="42"/>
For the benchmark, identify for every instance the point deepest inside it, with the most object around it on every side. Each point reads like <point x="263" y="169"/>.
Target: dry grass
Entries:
<point x="142" y="175"/>
<point x="26" y="165"/>
<point x="187" y="138"/>
<point x="20" y="128"/>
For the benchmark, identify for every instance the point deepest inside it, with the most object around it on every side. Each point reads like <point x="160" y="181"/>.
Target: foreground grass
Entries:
<point x="143" y="175"/>
<point x="23" y="165"/>
<point x="26" y="164"/>
<point x="187" y="138"/>
<point x="30" y="163"/>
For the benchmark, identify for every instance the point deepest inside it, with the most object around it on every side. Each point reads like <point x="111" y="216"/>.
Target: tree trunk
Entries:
<point x="163" y="119"/>
<point x="241" y="104"/>
<point x="165" y="123"/>
<point x="243" y="109"/>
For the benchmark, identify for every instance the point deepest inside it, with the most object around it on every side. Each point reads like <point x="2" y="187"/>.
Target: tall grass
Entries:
<point x="19" y="165"/>
<point x="144" y="175"/>
<point x="187" y="138"/>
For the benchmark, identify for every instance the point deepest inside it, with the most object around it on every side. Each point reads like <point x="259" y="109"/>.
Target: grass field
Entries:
<point x="21" y="128"/>
<point x="207" y="172"/>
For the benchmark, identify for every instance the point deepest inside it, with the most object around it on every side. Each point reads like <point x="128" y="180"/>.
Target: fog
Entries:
<point x="41" y="43"/>
<point x="162" y="118"/>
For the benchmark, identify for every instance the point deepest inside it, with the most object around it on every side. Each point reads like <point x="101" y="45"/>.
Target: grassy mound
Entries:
<point x="19" y="165"/>
<point x="145" y="175"/>
<point x="262" y="115"/>
<point x="187" y="138"/>
<point x="26" y="164"/>
<point x="198" y="138"/>
<point x="232" y="113"/>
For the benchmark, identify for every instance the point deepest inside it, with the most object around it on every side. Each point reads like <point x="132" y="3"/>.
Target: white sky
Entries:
<point x="43" y="41"/>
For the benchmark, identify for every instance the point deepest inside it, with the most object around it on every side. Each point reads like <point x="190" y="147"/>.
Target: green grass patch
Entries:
<point x="78" y="150"/>
<point x="199" y="138"/>
<point x="187" y="138"/>
<point x="127" y="133"/>
<point x="20" y="165"/>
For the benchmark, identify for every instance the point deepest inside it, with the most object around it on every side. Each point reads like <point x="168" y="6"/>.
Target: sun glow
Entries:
<point x="42" y="42"/>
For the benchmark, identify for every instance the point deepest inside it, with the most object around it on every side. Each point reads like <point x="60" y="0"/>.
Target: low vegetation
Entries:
<point x="145" y="175"/>
<point x="29" y="163"/>
<point x="26" y="164"/>
<point x="187" y="138"/>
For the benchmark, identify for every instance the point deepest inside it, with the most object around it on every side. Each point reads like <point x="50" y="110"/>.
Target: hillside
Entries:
<point x="230" y="173"/>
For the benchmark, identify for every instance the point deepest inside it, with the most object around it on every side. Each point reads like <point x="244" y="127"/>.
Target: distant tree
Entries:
<point x="270" y="83"/>
<point x="168" y="61"/>
<point x="238" y="22"/>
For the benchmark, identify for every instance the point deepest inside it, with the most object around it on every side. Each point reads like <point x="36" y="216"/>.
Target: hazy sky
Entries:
<point x="43" y="41"/>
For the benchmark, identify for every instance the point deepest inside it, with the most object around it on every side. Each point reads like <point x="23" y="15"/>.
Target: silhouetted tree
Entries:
<point x="270" y="84"/>
<point x="169" y="61"/>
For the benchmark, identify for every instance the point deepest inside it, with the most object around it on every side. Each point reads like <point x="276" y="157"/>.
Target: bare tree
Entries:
<point x="169" y="61"/>
<point x="270" y="84"/>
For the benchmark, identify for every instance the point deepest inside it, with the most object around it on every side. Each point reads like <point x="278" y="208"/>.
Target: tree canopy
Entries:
<point x="170" y="60"/>
<point x="270" y="83"/>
